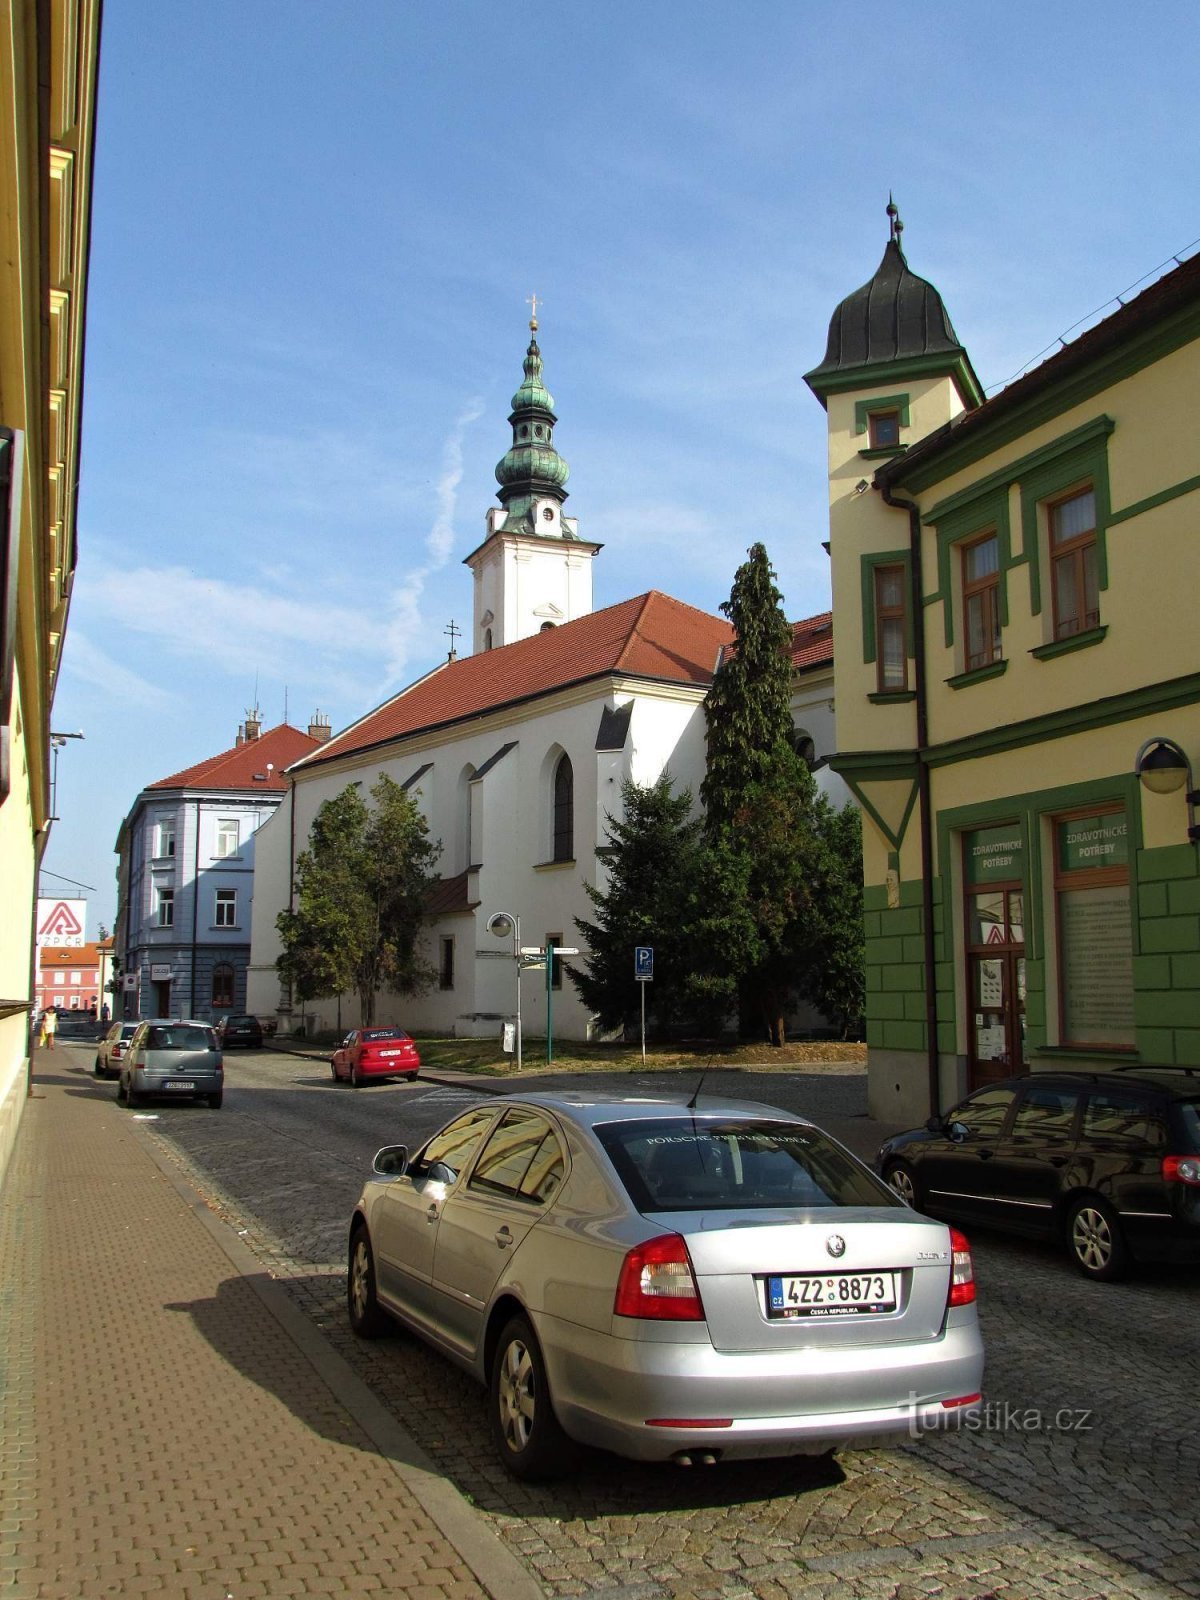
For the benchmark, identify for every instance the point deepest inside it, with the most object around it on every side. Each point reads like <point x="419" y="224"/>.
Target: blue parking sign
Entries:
<point x="643" y="962"/>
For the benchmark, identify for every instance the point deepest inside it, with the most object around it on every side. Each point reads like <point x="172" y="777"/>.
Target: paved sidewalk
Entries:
<point x="169" y="1423"/>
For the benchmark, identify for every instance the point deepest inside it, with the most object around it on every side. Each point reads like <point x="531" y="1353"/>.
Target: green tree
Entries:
<point x="761" y="803"/>
<point x="834" y="980"/>
<point x="361" y="889"/>
<point x="666" y="888"/>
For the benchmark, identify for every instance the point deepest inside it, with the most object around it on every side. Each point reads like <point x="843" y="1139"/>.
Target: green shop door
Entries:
<point x="993" y="861"/>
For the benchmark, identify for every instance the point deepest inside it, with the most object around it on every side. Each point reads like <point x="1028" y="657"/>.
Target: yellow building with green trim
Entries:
<point x="1015" y="639"/>
<point x="48" y="65"/>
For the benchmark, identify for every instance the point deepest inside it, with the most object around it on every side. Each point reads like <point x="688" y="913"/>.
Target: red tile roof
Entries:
<point x="78" y="955"/>
<point x="651" y="636"/>
<point x="812" y="641"/>
<point x="245" y="766"/>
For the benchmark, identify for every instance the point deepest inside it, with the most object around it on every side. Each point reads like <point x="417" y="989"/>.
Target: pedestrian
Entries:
<point x="49" y="1027"/>
<point x="105" y="1014"/>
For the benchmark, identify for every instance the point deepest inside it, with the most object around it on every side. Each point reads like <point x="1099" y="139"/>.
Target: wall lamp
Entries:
<point x="1164" y="768"/>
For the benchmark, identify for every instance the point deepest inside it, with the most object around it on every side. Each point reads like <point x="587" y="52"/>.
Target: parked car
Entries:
<point x="112" y="1048"/>
<point x="173" y="1058"/>
<point x="667" y="1281"/>
<point x="240" y="1030"/>
<point x="1108" y="1163"/>
<point x="375" y="1053"/>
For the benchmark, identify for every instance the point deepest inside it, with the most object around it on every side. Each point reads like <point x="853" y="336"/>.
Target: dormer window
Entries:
<point x="883" y="429"/>
<point x="548" y="513"/>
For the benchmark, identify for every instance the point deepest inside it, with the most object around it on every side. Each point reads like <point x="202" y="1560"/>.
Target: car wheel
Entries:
<point x="120" y="1090"/>
<point x="901" y="1177"/>
<point x="333" y="1068"/>
<point x="356" y="1077"/>
<point x="1096" y="1242"/>
<point x="214" y="1100"/>
<point x="366" y="1319"/>
<point x="527" y="1434"/>
<point x="132" y="1097"/>
<point x="98" y="1068"/>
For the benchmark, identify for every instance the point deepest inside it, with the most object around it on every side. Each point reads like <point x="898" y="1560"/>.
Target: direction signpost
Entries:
<point x="643" y="971"/>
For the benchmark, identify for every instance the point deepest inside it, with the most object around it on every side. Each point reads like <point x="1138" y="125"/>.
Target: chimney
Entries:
<point x="319" y="728"/>
<point x="253" y="724"/>
<point x="241" y="737"/>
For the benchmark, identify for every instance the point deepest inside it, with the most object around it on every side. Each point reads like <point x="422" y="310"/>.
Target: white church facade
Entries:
<point x="516" y="753"/>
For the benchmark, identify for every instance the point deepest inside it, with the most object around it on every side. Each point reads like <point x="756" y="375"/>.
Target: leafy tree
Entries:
<point x="362" y="885"/>
<point x="668" y="889"/>
<point x="835" y="978"/>
<point x="761" y="803"/>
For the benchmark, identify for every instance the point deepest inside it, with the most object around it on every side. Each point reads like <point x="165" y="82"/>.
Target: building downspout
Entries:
<point x="926" y="822"/>
<point x="291" y="999"/>
<point x="195" y="910"/>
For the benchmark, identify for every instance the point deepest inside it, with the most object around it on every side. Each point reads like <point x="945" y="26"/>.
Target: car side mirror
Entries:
<point x="958" y="1131"/>
<point x="391" y="1161"/>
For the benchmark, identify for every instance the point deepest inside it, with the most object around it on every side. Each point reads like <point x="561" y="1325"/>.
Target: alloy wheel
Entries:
<point x="1092" y="1239"/>
<point x="901" y="1180"/>
<point x="516" y="1396"/>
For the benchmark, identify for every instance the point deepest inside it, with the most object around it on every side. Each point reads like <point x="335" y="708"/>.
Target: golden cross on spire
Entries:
<point x="532" y="300"/>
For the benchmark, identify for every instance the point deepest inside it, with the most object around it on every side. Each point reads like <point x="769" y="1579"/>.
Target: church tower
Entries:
<point x="532" y="570"/>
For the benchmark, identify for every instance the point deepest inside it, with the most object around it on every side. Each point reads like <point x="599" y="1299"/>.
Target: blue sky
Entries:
<point x="315" y="231"/>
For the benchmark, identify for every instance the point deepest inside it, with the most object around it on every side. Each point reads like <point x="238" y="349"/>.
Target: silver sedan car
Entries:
<point x="668" y="1281"/>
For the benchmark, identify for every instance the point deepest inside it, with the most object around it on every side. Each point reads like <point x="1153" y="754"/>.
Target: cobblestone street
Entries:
<point x="1080" y="1483"/>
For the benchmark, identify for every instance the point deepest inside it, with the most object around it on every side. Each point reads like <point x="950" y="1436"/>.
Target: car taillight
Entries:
<point x="1182" y="1169"/>
<point x="962" y="1272"/>
<point x="657" y="1283"/>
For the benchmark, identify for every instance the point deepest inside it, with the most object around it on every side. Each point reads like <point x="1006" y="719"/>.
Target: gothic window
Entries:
<point x="487" y="639"/>
<point x="564" y="810"/>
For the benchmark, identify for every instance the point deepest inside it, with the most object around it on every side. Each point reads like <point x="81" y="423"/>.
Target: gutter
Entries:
<point x="926" y="820"/>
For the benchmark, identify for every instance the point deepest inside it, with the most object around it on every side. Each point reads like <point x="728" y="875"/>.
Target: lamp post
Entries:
<point x="501" y="924"/>
<point x="1163" y="768"/>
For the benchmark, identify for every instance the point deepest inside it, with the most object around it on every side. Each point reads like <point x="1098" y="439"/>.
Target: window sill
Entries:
<point x="224" y="927"/>
<point x="962" y="680"/>
<point x="888" y="697"/>
<point x="1083" y="1052"/>
<point x="162" y="861"/>
<point x="1077" y="641"/>
<point x="551" y="866"/>
<point x="223" y="859"/>
<point x="883" y="452"/>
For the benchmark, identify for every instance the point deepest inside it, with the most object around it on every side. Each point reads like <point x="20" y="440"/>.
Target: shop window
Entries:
<point x="222" y="986"/>
<point x="1094" y="930"/>
<point x="993" y="877"/>
<point x="891" y="647"/>
<point x="981" y="601"/>
<point x="1074" y="579"/>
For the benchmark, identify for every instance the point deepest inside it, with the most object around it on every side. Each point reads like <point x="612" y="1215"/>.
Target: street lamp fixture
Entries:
<point x="502" y="924"/>
<point x="1163" y="768"/>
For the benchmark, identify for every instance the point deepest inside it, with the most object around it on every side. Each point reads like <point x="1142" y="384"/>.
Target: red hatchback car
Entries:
<point x="375" y="1053"/>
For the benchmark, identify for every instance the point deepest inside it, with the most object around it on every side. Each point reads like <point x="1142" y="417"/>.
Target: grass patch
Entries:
<point x="484" y="1056"/>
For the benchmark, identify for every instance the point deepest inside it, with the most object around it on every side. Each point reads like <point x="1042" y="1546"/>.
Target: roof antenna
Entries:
<point x="691" y="1105"/>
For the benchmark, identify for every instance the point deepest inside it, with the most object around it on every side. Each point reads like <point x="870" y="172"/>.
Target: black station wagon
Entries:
<point x="1107" y="1162"/>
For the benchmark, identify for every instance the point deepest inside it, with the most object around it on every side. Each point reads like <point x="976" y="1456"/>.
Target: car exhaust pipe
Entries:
<point x="685" y="1458"/>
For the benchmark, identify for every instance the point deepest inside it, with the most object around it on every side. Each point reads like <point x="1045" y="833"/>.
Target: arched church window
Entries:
<point x="804" y="746"/>
<point x="487" y="639"/>
<point x="564" y="810"/>
<point x="545" y="627"/>
<point x="524" y="430"/>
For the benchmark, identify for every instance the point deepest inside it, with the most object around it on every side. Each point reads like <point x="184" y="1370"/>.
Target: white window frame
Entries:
<point x="164" y="903"/>
<point x="225" y="909"/>
<point x="226" y="826"/>
<point x="164" y="839"/>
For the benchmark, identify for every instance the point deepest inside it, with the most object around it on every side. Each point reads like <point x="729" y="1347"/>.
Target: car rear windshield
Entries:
<point x="242" y="1022"/>
<point x="1189" y="1110"/>
<point x="735" y="1164"/>
<point x="370" y="1034"/>
<point x="181" y="1038"/>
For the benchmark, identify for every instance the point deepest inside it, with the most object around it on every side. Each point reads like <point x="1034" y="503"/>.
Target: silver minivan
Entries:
<point x="175" y="1059"/>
